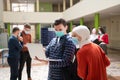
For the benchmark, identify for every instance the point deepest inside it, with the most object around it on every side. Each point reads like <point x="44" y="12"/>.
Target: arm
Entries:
<point x="41" y="60"/>
<point x="17" y="44"/>
<point x="107" y="61"/>
<point x="69" y="51"/>
<point x="105" y="58"/>
<point x="48" y="47"/>
<point x="82" y="65"/>
<point x="105" y="39"/>
<point x="30" y="39"/>
<point x="68" y="55"/>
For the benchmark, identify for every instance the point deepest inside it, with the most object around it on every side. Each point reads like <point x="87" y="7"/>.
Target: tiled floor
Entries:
<point x="114" y="69"/>
<point x="40" y="70"/>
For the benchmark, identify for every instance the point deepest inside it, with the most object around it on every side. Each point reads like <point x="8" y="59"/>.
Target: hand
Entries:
<point x="44" y="49"/>
<point x="24" y="45"/>
<point x="36" y="58"/>
<point x="20" y="38"/>
<point x="41" y="60"/>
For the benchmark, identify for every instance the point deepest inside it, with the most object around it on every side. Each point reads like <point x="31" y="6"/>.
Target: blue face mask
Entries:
<point x="59" y="33"/>
<point x="75" y="40"/>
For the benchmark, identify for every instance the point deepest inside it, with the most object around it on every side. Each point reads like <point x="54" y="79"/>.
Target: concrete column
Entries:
<point x="97" y="20"/>
<point x="64" y="5"/>
<point x="71" y="3"/>
<point x="71" y="25"/>
<point x="37" y="5"/>
<point x="8" y="5"/>
<point x="38" y="30"/>
<point x="58" y="7"/>
<point x="1" y="14"/>
<point x="8" y="29"/>
<point x="38" y="25"/>
<point x="81" y="21"/>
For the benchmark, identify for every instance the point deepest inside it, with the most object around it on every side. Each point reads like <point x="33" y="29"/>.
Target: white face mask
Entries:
<point x="27" y="32"/>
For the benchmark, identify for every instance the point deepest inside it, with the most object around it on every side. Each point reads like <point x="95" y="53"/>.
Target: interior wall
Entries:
<point x="55" y="7"/>
<point x="113" y="29"/>
<point x="46" y="7"/>
<point x="112" y="25"/>
<point x="90" y="24"/>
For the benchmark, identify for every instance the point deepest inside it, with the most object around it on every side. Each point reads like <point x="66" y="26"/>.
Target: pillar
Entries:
<point x="71" y="25"/>
<point x="58" y="7"/>
<point x="64" y="5"/>
<point x="8" y="29"/>
<point x="71" y="3"/>
<point x="8" y="5"/>
<point x="96" y="21"/>
<point x="38" y="25"/>
<point x="1" y="14"/>
<point x="8" y="24"/>
<point x="37" y="5"/>
<point x="81" y="21"/>
<point x="38" y="28"/>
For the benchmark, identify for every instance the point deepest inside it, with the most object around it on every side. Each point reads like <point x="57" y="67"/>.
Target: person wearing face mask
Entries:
<point x="103" y="37"/>
<point x="94" y="36"/>
<point x="14" y="53"/>
<point x="74" y="66"/>
<point x="91" y="59"/>
<point x="25" y="56"/>
<point x="62" y="49"/>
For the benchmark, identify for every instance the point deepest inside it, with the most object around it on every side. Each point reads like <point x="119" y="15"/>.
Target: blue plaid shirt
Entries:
<point x="61" y="48"/>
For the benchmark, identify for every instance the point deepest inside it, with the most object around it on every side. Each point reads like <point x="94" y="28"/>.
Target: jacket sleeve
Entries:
<point x="68" y="52"/>
<point x="105" y="58"/>
<point x="82" y="66"/>
<point x="48" y="47"/>
<point x="17" y="44"/>
<point x="30" y="39"/>
<point x="105" y="39"/>
<point x="68" y="55"/>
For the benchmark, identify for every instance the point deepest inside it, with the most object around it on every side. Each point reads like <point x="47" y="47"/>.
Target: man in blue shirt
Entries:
<point x="14" y="53"/>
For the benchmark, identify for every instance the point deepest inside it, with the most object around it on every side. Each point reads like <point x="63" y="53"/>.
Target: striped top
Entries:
<point x="61" y="48"/>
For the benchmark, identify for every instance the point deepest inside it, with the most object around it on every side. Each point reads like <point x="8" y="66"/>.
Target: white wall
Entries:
<point x="31" y="17"/>
<point x="87" y="7"/>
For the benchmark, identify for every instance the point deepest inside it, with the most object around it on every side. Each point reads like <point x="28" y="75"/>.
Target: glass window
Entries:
<point x="23" y="7"/>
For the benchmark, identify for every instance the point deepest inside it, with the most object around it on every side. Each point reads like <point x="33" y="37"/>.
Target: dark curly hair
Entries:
<point x="60" y="21"/>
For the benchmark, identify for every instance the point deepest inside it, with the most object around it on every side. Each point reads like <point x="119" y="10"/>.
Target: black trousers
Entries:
<point x="13" y="63"/>
<point x="25" y="57"/>
<point x="69" y="73"/>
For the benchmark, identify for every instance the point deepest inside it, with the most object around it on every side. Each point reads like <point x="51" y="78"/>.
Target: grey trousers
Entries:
<point x="104" y="47"/>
